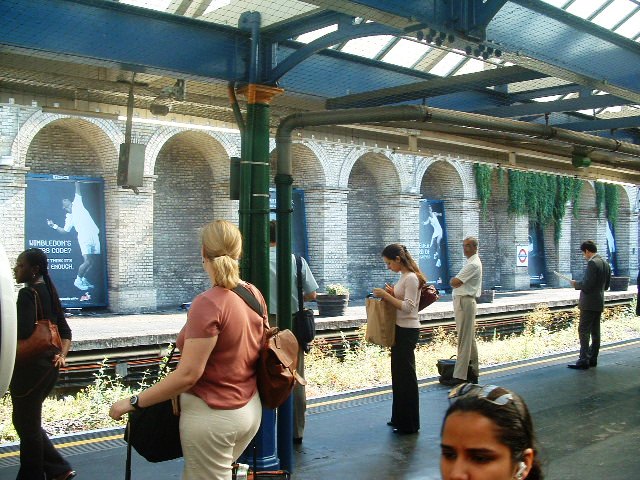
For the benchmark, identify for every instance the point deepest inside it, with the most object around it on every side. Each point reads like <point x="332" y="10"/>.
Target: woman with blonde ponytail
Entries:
<point x="404" y="296"/>
<point x="216" y="376"/>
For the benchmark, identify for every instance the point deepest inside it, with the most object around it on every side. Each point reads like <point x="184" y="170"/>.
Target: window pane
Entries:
<point x="367" y="46"/>
<point x="311" y="36"/>
<point x="631" y="27"/>
<point x="584" y="8"/>
<point x="448" y="63"/>
<point x="615" y="12"/>
<point x="406" y="53"/>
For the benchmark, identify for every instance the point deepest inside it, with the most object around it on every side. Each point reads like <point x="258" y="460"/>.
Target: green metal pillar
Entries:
<point x="254" y="225"/>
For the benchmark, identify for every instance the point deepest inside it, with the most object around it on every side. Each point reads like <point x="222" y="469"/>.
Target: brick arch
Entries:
<point x="160" y="137"/>
<point x="373" y="220"/>
<point x="462" y="172"/>
<point x="358" y="153"/>
<point x="309" y="164"/>
<point x="71" y="146"/>
<point x="39" y="120"/>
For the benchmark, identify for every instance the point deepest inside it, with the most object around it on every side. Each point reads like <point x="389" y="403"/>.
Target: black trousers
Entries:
<point x="589" y="329"/>
<point x="405" y="410"/>
<point x="38" y="457"/>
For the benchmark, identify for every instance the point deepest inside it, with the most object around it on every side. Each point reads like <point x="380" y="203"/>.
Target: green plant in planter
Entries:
<point x="337" y="289"/>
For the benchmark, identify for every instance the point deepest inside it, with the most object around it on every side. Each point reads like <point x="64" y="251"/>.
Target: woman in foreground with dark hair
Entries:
<point x="32" y="381"/>
<point x="487" y="434"/>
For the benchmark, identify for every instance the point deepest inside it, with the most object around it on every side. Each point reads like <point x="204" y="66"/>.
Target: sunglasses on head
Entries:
<point x="491" y="393"/>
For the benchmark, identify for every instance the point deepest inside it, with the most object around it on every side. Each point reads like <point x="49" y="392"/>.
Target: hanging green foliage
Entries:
<point x="517" y="192"/>
<point x="483" y="185"/>
<point x="501" y="176"/>
<point x="612" y="202"/>
<point x="576" y="188"/>
<point x="599" y="187"/>
<point x="564" y="192"/>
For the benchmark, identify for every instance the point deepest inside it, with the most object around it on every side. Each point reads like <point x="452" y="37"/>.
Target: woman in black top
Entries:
<point x="32" y="381"/>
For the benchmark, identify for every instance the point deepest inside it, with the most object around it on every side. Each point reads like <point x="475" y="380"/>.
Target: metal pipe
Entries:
<point x="439" y="115"/>
<point x="231" y="89"/>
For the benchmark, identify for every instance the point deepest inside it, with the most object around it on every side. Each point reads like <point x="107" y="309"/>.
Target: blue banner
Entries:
<point x="432" y="255"/>
<point x="537" y="259"/>
<point x="611" y="248"/>
<point x="299" y="221"/>
<point x="65" y="218"/>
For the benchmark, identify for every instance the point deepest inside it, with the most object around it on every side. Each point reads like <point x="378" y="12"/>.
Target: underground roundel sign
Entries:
<point x="522" y="255"/>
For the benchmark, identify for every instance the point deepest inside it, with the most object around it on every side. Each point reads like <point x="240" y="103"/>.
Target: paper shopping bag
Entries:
<point x="381" y="322"/>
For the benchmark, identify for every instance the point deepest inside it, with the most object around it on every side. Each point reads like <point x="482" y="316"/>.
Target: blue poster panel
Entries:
<point x="299" y="221"/>
<point x="611" y="248"/>
<point x="65" y="218"/>
<point x="537" y="259"/>
<point x="432" y="256"/>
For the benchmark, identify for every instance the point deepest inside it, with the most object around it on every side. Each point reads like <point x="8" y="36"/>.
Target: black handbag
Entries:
<point x="446" y="366"/>
<point x="154" y="431"/>
<point x="305" y="326"/>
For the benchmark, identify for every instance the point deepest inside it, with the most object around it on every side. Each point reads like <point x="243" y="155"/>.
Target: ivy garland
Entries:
<point x="483" y="185"/>
<point x="599" y="188"/>
<point x="612" y="202"/>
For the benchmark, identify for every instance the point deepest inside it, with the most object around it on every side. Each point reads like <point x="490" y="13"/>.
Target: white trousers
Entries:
<point x="213" y="439"/>
<point x="464" y="309"/>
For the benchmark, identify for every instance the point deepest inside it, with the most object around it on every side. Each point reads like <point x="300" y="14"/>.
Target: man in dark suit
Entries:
<point x="591" y="304"/>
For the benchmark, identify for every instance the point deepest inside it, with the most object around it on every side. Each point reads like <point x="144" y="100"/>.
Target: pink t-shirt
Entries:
<point x="229" y="378"/>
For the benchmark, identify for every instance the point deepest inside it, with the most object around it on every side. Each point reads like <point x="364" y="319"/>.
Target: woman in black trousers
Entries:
<point x="32" y="381"/>
<point x="405" y="298"/>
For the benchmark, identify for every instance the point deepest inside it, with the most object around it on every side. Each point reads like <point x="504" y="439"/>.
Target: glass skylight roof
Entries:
<point x="406" y="53"/>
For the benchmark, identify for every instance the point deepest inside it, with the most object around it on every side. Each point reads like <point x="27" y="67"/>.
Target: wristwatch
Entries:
<point x="134" y="402"/>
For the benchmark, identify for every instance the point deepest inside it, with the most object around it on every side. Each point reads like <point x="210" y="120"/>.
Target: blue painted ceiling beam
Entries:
<point x="117" y="35"/>
<point x="343" y="34"/>
<point x="569" y="105"/>
<point x="558" y="43"/>
<point x="468" y="18"/>
<point x="436" y="86"/>
<point x="300" y="25"/>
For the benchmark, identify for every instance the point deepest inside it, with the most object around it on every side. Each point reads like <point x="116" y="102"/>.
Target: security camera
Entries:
<point x="159" y="109"/>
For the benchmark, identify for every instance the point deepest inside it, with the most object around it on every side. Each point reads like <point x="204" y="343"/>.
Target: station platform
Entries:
<point x="587" y="422"/>
<point x="104" y="331"/>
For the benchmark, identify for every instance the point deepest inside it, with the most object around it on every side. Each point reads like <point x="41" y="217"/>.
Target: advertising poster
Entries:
<point x="611" y="248"/>
<point x="298" y="220"/>
<point x="64" y="217"/>
<point x="432" y="255"/>
<point x="537" y="260"/>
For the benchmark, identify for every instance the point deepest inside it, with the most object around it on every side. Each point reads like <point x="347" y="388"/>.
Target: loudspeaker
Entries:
<point x="131" y="167"/>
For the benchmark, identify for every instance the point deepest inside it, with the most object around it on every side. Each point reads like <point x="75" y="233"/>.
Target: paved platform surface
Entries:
<point x="587" y="422"/>
<point x="103" y="331"/>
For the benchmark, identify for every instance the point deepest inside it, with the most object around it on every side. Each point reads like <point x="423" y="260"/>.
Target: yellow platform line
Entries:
<point x="350" y="398"/>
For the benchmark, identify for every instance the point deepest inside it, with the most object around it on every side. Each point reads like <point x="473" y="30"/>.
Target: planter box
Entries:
<point x="486" y="296"/>
<point x="619" y="284"/>
<point x="332" y="305"/>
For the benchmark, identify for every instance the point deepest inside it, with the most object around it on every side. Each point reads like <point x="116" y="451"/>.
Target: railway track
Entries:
<point x="137" y="365"/>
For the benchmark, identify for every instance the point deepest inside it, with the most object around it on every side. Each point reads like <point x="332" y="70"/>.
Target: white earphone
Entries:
<point x="522" y="467"/>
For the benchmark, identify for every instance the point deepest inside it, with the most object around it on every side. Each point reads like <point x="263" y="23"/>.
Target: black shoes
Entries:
<point x="593" y="363"/>
<point x="390" y="423"/>
<point x="400" y="431"/>
<point x="297" y="440"/>
<point x="579" y="366"/>
<point x="452" y="382"/>
<point x="65" y="476"/>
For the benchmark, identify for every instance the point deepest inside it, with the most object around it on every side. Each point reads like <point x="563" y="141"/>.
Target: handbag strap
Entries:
<point x="39" y="310"/>
<point x="299" y="281"/>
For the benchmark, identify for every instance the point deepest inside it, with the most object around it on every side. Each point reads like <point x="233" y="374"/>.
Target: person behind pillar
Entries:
<point x="404" y="296"/>
<point x="591" y="304"/>
<point x="466" y="288"/>
<point x="309" y="287"/>
<point x="32" y="381"/>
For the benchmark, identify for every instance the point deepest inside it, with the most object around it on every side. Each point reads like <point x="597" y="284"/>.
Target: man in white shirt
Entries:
<point x="309" y="287"/>
<point x="466" y="287"/>
<point x="88" y="235"/>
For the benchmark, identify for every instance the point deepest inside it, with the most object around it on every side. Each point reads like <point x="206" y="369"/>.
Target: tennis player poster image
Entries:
<point x="64" y="217"/>
<point x="432" y="255"/>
